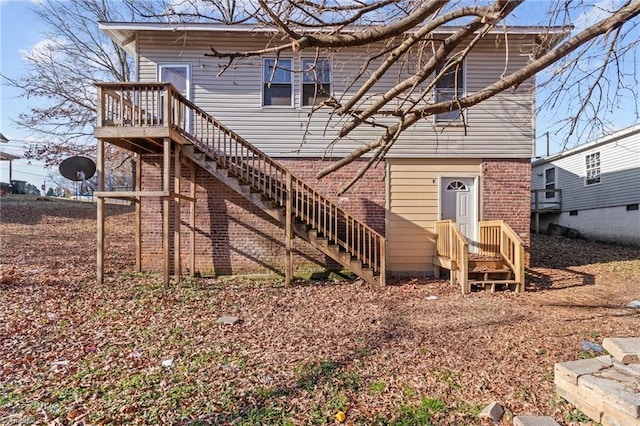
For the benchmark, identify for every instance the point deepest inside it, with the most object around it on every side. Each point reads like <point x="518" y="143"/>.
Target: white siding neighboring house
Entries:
<point x="599" y="184"/>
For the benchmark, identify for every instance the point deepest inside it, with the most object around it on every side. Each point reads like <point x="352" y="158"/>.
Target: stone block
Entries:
<point x="624" y="349"/>
<point x="616" y="389"/>
<point x="534" y="421"/>
<point x="571" y="370"/>
<point x="493" y="412"/>
<point x="579" y="397"/>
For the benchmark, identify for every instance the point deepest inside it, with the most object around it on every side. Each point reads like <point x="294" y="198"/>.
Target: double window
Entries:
<point x="592" y="169"/>
<point x="448" y="87"/>
<point x="278" y="87"/>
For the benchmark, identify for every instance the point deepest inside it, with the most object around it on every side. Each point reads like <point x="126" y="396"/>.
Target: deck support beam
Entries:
<point x="100" y="214"/>
<point x="177" y="176"/>
<point x="192" y="223"/>
<point x="166" y="174"/>
<point x="138" y="214"/>
<point x="288" y="233"/>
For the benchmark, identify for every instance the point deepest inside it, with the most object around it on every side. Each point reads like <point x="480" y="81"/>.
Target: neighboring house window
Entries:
<point x="550" y="182"/>
<point x="592" y="163"/>
<point x="276" y="82"/>
<point x="316" y="81"/>
<point x="448" y="87"/>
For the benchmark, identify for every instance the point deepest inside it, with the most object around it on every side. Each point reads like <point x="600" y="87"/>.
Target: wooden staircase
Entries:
<point x="133" y="115"/>
<point x="498" y="263"/>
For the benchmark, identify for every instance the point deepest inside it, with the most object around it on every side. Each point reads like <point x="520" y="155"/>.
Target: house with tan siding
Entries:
<point x="470" y="168"/>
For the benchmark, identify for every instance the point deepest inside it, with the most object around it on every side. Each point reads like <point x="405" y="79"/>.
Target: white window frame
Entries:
<point x="550" y="195"/>
<point x="591" y="166"/>
<point x="263" y="82"/>
<point x="302" y="82"/>
<point x="437" y="118"/>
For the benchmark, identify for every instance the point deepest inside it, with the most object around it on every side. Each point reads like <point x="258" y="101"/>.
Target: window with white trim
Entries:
<point x="592" y="169"/>
<point x="550" y="182"/>
<point x="277" y="82"/>
<point x="316" y="81"/>
<point x="448" y="87"/>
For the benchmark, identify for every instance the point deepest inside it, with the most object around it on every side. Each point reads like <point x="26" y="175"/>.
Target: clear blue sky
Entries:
<point x="19" y="30"/>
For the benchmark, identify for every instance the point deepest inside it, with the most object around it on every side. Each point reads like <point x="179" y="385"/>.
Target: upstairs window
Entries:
<point x="316" y="81"/>
<point x="276" y="82"/>
<point x="592" y="168"/>
<point x="550" y="182"/>
<point x="448" y="87"/>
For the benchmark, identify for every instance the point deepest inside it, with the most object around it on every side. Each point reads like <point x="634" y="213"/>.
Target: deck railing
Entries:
<point x="160" y="104"/>
<point x="497" y="239"/>
<point x="541" y="201"/>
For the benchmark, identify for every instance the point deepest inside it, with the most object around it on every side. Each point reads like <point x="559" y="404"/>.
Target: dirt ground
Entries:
<point x="73" y="352"/>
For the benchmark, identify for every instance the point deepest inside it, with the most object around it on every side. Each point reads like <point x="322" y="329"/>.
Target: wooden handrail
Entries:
<point x="452" y="244"/>
<point x="153" y="104"/>
<point x="497" y="238"/>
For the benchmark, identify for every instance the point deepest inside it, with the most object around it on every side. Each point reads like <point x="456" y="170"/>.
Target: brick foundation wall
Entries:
<point x="506" y="194"/>
<point x="235" y="237"/>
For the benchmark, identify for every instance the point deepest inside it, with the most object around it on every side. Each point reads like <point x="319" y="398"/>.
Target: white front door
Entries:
<point x="458" y="203"/>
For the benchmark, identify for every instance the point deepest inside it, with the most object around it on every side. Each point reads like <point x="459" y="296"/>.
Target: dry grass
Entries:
<point x="73" y="352"/>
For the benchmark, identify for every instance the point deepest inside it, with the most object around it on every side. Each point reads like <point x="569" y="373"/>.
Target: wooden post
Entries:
<point x="192" y="223"/>
<point x="165" y="210"/>
<point x="100" y="214"/>
<point x="177" y="175"/>
<point x="383" y="262"/>
<point x="288" y="231"/>
<point x="138" y="214"/>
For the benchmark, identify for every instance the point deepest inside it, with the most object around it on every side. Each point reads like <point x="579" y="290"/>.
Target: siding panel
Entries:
<point x="413" y="208"/>
<point x="500" y="127"/>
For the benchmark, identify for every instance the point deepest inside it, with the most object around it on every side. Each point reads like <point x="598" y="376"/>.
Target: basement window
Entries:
<point x="632" y="207"/>
<point x="573" y="213"/>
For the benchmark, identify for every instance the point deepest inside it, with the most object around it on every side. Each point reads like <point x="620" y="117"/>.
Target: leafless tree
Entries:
<point x="60" y="74"/>
<point x="598" y="56"/>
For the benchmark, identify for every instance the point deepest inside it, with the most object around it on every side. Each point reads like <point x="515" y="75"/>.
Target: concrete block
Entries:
<point x="614" y="388"/>
<point x="534" y="421"/>
<point x="571" y="370"/>
<point x="618" y="419"/>
<point x="624" y="349"/>
<point x="493" y="412"/>
<point x="580" y="398"/>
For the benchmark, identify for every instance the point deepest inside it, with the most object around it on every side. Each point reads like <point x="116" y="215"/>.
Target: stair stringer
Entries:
<point x="279" y="214"/>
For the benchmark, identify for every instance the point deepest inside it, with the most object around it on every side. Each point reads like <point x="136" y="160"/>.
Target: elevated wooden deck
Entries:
<point x="153" y="118"/>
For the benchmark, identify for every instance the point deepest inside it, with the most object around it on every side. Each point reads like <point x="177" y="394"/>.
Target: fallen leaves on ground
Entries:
<point x="73" y="352"/>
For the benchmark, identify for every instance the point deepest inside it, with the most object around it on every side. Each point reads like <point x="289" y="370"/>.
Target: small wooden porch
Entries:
<point x="499" y="260"/>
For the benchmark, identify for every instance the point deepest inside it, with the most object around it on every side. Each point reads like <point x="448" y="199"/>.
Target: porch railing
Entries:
<point x="160" y="104"/>
<point x="451" y="244"/>
<point x="496" y="239"/>
<point x="541" y="201"/>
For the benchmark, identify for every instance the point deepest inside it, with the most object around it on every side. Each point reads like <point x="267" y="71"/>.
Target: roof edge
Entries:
<point x="616" y="136"/>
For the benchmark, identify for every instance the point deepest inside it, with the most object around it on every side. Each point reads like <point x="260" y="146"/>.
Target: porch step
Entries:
<point x="492" y="284"/>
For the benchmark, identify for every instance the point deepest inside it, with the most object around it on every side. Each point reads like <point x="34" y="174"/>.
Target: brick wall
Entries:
<point x="235" y="237"/>
<point x="506" y="194"/>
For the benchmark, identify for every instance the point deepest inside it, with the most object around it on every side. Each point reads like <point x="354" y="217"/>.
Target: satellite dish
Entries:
<point x="78" y="168"/>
